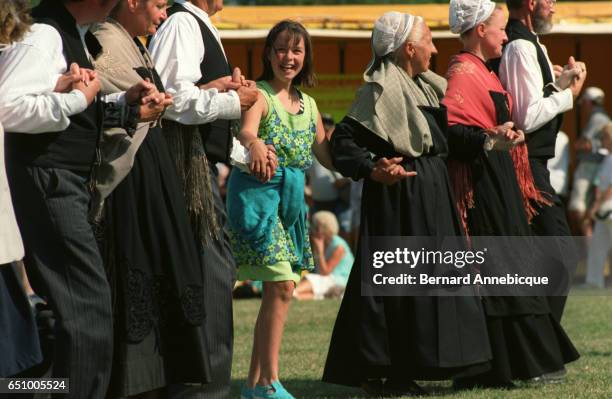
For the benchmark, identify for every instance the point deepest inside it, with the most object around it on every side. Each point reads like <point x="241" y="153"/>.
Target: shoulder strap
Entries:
<point x="206" y="33"/>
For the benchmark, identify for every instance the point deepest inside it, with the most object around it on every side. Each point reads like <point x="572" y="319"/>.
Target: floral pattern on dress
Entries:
<point x="293" y="149"/>
<point x="292" y="146"/>
<point x="280" y="249"/>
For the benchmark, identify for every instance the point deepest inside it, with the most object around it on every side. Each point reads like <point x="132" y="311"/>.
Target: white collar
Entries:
<point x="194" y="9"/>
<point x="83" y="30"/>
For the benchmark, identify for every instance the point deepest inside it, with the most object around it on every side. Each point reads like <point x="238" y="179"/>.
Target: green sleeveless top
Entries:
<point x="291" y="135"/>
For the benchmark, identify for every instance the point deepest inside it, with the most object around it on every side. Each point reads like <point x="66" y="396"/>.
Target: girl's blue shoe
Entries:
<point x="246" y="392"/>
<point x="274" y="391"/>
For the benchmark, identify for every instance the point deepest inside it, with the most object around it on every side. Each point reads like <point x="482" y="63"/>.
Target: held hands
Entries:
<point x="263" y="162"/>
<point x="248" y="95"/>
<point x="82" y="79"/>
<point x="247" y="92"/>
<point x="142" y="92"/>
<point x="571" y="76"/>
<point x="503" y="137"/>
<point x="246" y="89"/>
<point x="520" y="137"/>
<point x="222" y="84"/>
<point x="152" y="103"/>
<point x="155" y="106"/>
<point x="389" y="171"/>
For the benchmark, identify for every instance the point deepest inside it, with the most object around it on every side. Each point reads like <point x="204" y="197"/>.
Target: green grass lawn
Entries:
<point x="587" y="320"/>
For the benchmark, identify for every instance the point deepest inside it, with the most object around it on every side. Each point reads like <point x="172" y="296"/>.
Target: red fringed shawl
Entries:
<point x="469" y="103"/>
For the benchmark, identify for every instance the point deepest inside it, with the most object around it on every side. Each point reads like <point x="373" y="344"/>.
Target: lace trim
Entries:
<point x="152" y="301"/>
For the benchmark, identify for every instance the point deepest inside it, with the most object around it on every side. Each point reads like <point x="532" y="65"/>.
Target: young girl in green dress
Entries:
<point x="266" y="208"/>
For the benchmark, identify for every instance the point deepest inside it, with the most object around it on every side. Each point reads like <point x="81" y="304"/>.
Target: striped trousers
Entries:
<point x="64" y="266"/>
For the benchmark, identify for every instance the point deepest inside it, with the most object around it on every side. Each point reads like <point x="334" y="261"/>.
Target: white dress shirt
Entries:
<point x="28" y="74"/>
<point x="11" y="247"/>
<point x="520" y="73"/>
<point x="29" y="71"/>
<point x="177" y="51"/>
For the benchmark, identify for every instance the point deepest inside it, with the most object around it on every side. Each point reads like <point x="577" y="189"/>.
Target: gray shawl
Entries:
<point x="115" y="67"/>
<point x="387" y="105"/>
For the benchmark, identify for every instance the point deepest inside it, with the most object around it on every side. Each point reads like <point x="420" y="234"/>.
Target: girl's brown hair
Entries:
<point x="306" y="77"/>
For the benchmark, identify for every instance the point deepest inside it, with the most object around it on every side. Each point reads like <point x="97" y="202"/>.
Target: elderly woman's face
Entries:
<point x="423" y="50"/>
<point x="494" y="35"/>
<point x="150" y="14"/>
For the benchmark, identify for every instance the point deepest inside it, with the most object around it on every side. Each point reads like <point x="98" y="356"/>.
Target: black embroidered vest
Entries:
<point x="75" y="147"/>
<point x="216" y="136"/>
<point x="541" y="142"/>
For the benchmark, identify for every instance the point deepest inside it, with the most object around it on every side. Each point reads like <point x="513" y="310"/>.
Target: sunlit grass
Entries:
<point x="587" y="320"/>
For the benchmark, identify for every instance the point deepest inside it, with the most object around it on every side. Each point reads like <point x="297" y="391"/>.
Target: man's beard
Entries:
<point x="541" y="25"/>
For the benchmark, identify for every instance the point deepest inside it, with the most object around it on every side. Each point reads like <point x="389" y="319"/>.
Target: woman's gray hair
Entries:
<point x="418" y="30"/>
<point x="415" y="35"/>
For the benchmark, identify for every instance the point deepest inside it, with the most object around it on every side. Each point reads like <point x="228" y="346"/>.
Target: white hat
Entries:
<point x="463" y="15"/>
<point x="390" y="32"/>
<point x="593" y="93"/>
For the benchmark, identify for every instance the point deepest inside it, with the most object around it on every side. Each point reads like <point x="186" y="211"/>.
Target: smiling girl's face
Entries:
<point x="287" y="56"/>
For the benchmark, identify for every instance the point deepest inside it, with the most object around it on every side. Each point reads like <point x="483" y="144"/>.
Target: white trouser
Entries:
<point x="601" y="242"/>
<point x="584" y="178"/>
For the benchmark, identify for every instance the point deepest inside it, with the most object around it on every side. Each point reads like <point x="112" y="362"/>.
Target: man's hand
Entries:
<point x="248" y="96"/>
<point x="222" y="84"/>
<point x="89" y="87"/>
<point x="250" y="83"/>
<point x="578" y="82"/>
<point x="142" y="92"/>
<point x="154" y="108"/>
<point x="66" y="81"/>
<point x="571" y="76"/>
<point x="238" y="77"/>
<point x="389" y="171"/>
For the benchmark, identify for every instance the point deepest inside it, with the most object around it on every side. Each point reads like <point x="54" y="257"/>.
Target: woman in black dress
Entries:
<point x="395" y="126"/>
<point x="485" y="157"/>
<point x="152" y="257"/>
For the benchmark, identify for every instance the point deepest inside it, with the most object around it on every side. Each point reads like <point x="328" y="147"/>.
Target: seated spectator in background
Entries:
<point x="589" y="157"/>
<point x="559" y="166"/>
<point x="333" y="259"/>
<point x="600" y="214"/>
<point x="330" y="191"/>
